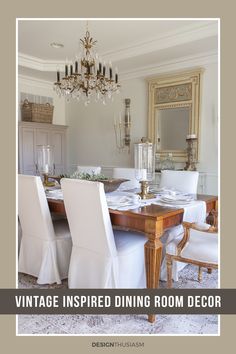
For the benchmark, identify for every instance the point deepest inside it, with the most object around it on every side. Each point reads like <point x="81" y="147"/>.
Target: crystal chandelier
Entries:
<point x="88" y="77"/>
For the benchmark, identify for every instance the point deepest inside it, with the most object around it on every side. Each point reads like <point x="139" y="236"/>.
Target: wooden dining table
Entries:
<point x="152" y="220"/>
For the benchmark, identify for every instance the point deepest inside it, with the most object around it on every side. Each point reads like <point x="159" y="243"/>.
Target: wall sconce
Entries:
<point x="122" y="129"/>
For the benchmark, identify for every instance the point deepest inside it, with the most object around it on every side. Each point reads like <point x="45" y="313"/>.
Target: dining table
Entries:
<point x="152" y="220"/>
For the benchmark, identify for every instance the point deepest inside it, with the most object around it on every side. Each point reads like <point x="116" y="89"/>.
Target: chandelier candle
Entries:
<point x="91" y="81"/>
<point x="58" y="76"/>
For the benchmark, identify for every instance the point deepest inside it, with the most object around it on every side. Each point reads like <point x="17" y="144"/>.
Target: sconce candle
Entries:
<point x="58" y="76"/>
<point x="76" y="67"/>
<point x="66" y="70"/>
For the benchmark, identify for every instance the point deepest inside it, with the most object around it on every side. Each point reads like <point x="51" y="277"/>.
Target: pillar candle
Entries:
<point x="76" y="67"/>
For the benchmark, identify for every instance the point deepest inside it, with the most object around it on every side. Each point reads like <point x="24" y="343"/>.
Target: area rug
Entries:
<point x="123" y="324"/>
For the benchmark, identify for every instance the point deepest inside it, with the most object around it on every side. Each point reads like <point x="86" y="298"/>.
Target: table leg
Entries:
<point x="153" y="252"/>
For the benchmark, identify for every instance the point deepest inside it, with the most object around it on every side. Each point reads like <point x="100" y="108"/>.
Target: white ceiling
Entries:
<point x="130" y="44"/>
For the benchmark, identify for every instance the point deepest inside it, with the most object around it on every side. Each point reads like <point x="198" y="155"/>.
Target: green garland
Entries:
<point x="86" y="176"/>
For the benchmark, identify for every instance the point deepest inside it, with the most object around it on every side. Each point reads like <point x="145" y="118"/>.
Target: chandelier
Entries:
<point x="87" y="77"/>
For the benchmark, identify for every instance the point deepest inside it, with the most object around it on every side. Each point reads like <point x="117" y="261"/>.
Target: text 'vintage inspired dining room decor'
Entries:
<point x="88" y="76"/>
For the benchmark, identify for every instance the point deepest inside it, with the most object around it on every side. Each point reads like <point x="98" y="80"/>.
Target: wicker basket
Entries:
<point x="36" y="112"/>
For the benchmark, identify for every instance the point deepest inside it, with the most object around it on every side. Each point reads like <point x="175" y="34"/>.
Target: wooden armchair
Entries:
<point x="198" y="246"/>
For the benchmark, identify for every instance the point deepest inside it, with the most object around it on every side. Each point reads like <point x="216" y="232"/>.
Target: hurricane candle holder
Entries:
<point x="144" y="166"/>
<point x="45" y="163"/>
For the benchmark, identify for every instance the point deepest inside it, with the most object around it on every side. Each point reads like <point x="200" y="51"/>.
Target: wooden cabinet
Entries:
<point x="33" y="134"/>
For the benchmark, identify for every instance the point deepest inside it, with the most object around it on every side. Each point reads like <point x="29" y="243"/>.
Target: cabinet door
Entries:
<point x="59" y="144"/>
<point x="42" y="137"/>
<point x="27" y="151"/>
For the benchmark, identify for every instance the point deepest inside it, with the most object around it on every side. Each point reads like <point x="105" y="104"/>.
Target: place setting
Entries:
<point x="123" y="200"/>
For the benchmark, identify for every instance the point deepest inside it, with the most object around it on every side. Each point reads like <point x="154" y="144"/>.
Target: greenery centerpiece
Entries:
<point x="88" y="176"/>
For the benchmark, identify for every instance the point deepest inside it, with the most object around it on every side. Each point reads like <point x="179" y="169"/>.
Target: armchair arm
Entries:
<point x="187" y="226"/>
<point x="198" y="227"/>
<point x="212" y="218"/>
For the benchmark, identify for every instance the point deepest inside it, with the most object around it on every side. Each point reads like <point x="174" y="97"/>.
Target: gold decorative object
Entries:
<point x="88" y="76"/>
<point x="46" y="182"/>
<point x="191" y="153"/>
<point x="144" y="194"/>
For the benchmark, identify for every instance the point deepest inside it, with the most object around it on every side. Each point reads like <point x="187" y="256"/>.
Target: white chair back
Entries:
<point x="45" y="247"/>
<point x="88" y="215"/>
<point x="92" y="170"/>
<point x="184" y="181"/>
<point x="94" y="261"/>
<point x="129" y="173"/>
<point x="33" y="208"/>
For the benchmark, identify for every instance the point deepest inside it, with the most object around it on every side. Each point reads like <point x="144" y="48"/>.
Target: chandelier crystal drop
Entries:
<point x="87" y="77"/>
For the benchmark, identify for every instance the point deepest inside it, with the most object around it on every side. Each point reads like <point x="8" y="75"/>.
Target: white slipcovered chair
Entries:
<point x="19" y="235"/>
<point x="45" y="247"/>
<point x="100" y="257"/>
<point x="199" y="246"/>
<point x="92" y="170"/>
<point x="129" y="173"/>
<point x="183" y="181"/>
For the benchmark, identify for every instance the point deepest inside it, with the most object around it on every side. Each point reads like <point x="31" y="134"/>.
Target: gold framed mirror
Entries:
<point x="174" y="106"/>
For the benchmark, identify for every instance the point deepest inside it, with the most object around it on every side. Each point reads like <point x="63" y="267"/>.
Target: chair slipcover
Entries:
<point x="201" y="246"/>
<point x="184" y="181"/>
<point x="100" y="258"/>
<point x="19" y="235"/>
<point x="45" y="246"/>
<point x="92" y="170"/>
<point x="128" y="173"/>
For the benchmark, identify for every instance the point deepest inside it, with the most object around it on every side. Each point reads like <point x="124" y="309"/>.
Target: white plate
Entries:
<point x="175" y="202"/>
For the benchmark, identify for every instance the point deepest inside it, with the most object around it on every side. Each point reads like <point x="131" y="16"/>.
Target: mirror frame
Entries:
<point x="167" y="84"/>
